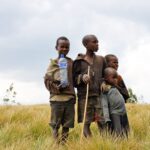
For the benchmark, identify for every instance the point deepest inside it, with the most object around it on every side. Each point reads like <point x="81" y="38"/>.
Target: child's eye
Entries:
<point x="114" y="77"/>
<point x="65" y="47"/>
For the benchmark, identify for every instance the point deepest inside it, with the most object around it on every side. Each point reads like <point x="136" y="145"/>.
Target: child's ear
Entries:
<point x="84" y="44"/>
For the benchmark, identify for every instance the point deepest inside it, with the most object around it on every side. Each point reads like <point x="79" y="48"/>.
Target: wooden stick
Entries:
<point x="85" y="106"/>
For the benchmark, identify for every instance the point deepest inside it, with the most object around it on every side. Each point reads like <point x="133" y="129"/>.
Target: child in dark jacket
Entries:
<point x="81" y="79"/>
<point x="112" y="61"/>
<point x="62" y="99"/>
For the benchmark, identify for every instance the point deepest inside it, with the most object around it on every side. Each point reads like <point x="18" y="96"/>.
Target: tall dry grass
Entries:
<point x="26" y="128"/>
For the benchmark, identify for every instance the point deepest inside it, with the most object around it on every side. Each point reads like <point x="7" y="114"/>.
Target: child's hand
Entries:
<point x="108" y="124"/>
<point x="61" y="86"/>
<point x="54" y="87"/>
<point x="104" y="87"/>
<point x="86" y="78"/>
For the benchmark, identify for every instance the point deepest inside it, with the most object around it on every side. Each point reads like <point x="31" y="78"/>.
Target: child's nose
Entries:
<point x="65" y="49"/>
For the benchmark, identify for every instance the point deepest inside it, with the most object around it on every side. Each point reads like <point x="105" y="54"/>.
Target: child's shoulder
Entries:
<point x="99" y="59"/>
<point x="113" y="90"/>
<point x="99" y="56"/>
<point x="119" y="78"/>
<point x="70" y="59"/>
<point x="53" y="61"/>
<point x="80" y="56"/>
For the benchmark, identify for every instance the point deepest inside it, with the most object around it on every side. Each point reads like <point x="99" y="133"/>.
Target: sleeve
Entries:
<point x="122" y="88"/>
<point x="104" y="67"/>
<point x="50" y="84"/>
<point x="47" y="78"/>
<point x="105" y="107"/>
<point x="77" y="75"/>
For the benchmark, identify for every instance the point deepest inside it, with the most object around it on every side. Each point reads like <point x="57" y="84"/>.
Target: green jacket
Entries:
<point x="52" y="77"/>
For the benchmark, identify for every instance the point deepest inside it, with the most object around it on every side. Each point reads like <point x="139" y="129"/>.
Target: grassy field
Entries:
<point x="26" y="128"/>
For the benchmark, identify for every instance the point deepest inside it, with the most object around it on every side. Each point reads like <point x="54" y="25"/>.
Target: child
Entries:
<point x="62" y="100"/>
<point x="112" y="61"/>
<point x="81" y="78"/>
<point x="114" y="105"/>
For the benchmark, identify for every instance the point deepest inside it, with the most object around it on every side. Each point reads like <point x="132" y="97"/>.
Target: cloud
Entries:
<point x="29" y="30"/>
<point x="135" y="68"/>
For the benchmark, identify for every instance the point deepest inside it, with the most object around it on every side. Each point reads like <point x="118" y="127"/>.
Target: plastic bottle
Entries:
<point x="62" y="62"/>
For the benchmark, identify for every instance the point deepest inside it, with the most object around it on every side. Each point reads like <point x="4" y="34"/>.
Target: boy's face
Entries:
<point x="112" y="79"/>
<point x="92" y="44"/>
<point x="63" y="47"/>
<point x="113" y="62"/>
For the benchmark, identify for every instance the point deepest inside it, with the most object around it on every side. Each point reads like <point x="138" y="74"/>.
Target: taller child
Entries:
<point x="62" y="99"/>
<point x="81" y="79"/>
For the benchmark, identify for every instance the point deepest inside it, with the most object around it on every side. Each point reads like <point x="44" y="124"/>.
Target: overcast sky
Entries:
<point x="29" y="29"/>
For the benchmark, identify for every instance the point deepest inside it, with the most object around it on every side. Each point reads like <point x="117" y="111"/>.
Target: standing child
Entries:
<point x="62" y="99"/>
<point x="81" y="79"/>
<point x="114" y="105"/>
<point x="112" y="61"/>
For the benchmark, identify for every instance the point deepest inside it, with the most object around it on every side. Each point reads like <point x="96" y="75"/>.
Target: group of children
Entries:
<point x="107" y="92"/>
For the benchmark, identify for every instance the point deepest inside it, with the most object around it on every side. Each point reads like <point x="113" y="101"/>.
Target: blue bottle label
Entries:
<point x="63" y="65"/>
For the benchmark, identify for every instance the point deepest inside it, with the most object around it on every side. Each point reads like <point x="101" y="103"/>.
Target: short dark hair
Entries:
<point x="86" y="39"/>
<point x="107" y="57"/>
<point x="61" y="38"/>
<point x="108" y="71"/>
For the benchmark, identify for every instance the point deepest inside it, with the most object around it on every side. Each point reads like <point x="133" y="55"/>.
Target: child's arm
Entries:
<point x="51" y="78"/>
<point x="51" y="85"/>
<point x="122" y="88"/>
<point x="105" y="108"/>
<point x="79" y="77"/>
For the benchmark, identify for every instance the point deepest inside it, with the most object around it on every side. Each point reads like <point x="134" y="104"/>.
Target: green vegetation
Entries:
<point x="133" y="97"/>
<point x="10" y="96"/>
<point x="26" y="128"/>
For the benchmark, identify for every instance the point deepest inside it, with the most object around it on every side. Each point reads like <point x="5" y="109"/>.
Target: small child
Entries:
<point x="62" y="99"/>
<point x="112" y="61"/>
<point x="81" y="79"/>
<point x="113" y="104"/>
